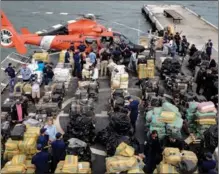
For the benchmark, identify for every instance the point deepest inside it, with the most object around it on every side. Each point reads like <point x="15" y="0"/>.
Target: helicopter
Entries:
<point x="85" y="30"/>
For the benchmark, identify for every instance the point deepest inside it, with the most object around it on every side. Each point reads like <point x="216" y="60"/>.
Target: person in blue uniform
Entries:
<point x="67" y="56"/>
<point x="82" y="47"/>
<point x="41" y="161"/>
<point x="133" y="107"/>
<point x="58" y="150"/>
<point x="208" y="164"/>
<point x="43" y="138"/>
<point x="77" y="64"/>
<point x="209" y="46"/>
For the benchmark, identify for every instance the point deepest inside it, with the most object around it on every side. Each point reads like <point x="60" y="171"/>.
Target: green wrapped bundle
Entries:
<point x="193" y="106"/>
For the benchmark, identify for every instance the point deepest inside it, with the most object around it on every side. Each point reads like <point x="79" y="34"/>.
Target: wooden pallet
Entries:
<point x="192" y="139"/>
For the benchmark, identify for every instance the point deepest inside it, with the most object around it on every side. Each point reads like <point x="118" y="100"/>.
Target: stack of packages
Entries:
<point x="119" y="78"/>
<point x="19" y="164"/>
<point x="27" y="146"/>
<point x="173" y="159"/>
<point x="86" y="72"/>
<point x="166" y="120"/>
<point x="71" y="165"/>
<point x="62" y="73"/>
<point x="43" y="56"/>
<point x="111" y="66"/>
<point x="150" y="70"/>
<point x="146" y="70"/>
<point x="124" y="160"/>
<point x="202" y="116"/>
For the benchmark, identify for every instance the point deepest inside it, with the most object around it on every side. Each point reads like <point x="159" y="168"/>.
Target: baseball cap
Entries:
<point x="58" y="135"/>
<point x="208" y="155"/>
<point x="43" y="130"/>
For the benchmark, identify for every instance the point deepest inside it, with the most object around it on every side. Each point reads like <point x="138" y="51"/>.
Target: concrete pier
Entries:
<point x="196" y="29"/>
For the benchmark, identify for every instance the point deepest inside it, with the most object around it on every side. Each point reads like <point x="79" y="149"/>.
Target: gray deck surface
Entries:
<point x="101" y="106"/>
<point x="196" y="30"/>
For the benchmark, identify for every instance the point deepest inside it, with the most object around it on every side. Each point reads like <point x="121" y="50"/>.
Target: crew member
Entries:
<point x="58" y="150"/>
<point x="173" y="48"/>
<point x="177" y="40"/>
<point x="94" y="47"/>
<point x="152" y="151"/>
<point x="192" y="50"/>
<point x="93" y="58"/>
<point x="173" y="141"/>
<point x="133" y="107"/>
<point x="77" y="63"/>
<point x="51" y="130"/>
<point x="184" y="45"/>
<point x="209" y="85"/>
<point x="208" y="164"/>
<point x="72" y="47"/>
<point x="82" y="47"/>
<point x="116" y="55"/>
<point x="26" y="73"/>
<point x="165" y="38"/>
<point x="133" y="61"/>
<point x="41" y="161"/>
<point x="104" y="58"/>
<point x="67" y="56"/>
<point x="43" y="139"/>
<point x="200" y="80"/>
<point x="49" y="75"/>
<point x="11" y="73"/>
<point x="36" y="91"/>
<point x="209" y="46"/>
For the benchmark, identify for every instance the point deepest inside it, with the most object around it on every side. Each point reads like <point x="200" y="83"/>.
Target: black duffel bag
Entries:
<point x="17" y="132"/>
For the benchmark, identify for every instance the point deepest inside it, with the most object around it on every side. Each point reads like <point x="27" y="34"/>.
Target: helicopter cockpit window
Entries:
<point x="90" y="40"/>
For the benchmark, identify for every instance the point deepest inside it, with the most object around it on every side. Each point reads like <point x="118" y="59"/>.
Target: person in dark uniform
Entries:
<point x="58" y="150"/>
<point x="201" y="78"/>
<point x="72" y="47"/>
<point x="208" y="164"/>
<point x="43" y="139"/>
<point x="209" y="46"/>
<point x="67" y="56"/>
<point x="133" y="107"/>
<point x="77" y="64"/>
<point x="184" y="45"/>
<point x="177" y="41"/>
<point x="82" y="47"/>
<point x="173" y="141"/>
<point x="11" y="73"/>
<point x="209" y="84"/>
<point x="41" y="161"/>
<point x="152" y="151"/>
<point x="192" y="50"/>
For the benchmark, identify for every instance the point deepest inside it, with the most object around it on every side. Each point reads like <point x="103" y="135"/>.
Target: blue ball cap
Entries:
<point x="43" y="130"/>
<point x="208" y="155"/>
<point x="58" y="135"/>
